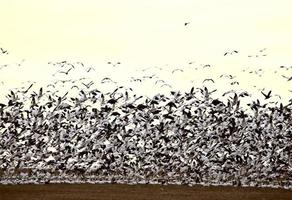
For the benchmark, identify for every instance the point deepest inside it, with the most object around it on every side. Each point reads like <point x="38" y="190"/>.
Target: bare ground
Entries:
<point x="139" y="192"/>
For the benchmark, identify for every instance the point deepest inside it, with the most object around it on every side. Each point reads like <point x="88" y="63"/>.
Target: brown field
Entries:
<point x="139" y="192"/>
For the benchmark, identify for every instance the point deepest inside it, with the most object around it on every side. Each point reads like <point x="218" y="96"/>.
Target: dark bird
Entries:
<point x="75" y="86"/>
<point x="27" y="89"/>
<point x="206" y="66"/>
<point x="175" y="70"/>
<point x="209" y="79"/>
<point x="136" y="79"/>
<point x="186" y="23"/>
<point x="89" y="69"/>
<point x="165" y="84"/>
<point x="51" y="85"/>
<point x="149" y="77"/>
<point x="288" y="78"/>
<point x="284" y="67"/>
<point x="230" y="53"/>
<point x="88" y="85"/>
<point x="106" y="79"/>
<point x="3" y="51"/>
<point x="268" y="95"/>
<point x="80" y="63"/>
<point x="64" y="72"/>
<point x="114" y="64"/>
<point x="162" y="81"/>
<point x="234" y="82"/>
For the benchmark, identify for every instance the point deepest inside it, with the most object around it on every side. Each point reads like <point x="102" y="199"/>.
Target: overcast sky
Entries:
<point x="145" y="33"/>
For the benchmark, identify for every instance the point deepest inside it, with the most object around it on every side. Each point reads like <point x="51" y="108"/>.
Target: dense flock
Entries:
<point x="180" y="138"/>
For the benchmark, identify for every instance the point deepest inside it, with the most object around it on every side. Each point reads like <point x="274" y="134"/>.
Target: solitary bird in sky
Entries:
<point x="208" y="79"/>
<point x="230" y="53"/>
<point x="114" y="64"/>
<point x="89" y="69"/>
<point x="3" y="51"/>
<point x="186" y="23"/>
<point x="288" y="78"/>
<point x="175" y="70"/>
<point x="206" y="66"/>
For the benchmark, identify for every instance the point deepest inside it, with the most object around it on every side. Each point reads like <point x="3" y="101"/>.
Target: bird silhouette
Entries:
<point x="114" y="64"/>
<point x="268" y="95"/>
<point x="206" y="66"/>
<point x="208" y="79"/>
<point x="288" y="78"/>
<point x="166" y="85"/>
<point x="89" y="69"/>
<point x="25" y="91"/>
<point x="162" y="81"/>
<point x="88" y="85"/>
<point x="3" y="51"/>
<point x="63" y="72"/>
<point x="176" y="70"/>
<point x="230" y="53"/>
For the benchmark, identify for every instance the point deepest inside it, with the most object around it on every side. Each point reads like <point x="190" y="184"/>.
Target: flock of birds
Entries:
<point x="120" y="137"/>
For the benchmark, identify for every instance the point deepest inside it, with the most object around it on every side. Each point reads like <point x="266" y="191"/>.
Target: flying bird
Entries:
<point x="230" y="53"/>
<point x="288" y="78"/>
<point x="175" y="70"/>
<point x="206" y="66"/>
<point x="75" y="86"/>
<point x="114" y="64"/>
<point x="209" y="79"/>
<point x="162" y="81"/>
<point x="63" y="72"/>
<point x="3" y="51"/>
<point x="89" y="69"/>
<point x="234" y="82"/>
<point x="166" y="85"/>
<point x="88" y="85"/>
<point x="27" y="89"/>
<point x="268" y="95"/>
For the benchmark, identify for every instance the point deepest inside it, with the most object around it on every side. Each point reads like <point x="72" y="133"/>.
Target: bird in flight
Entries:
<point x="114" y="64"/>
<point x="288" y="78"/>
<point x="65" y="72"/>
<point x="175" y="70"/>
<point x="88" y="84"/>
<point x="268" y="95"/>
<point x="3" y="51"/>
<point x="27" y="89"/>
<point x="209" y="79"/>
<point x="234" y="82"/>
<point x="162" y="81"/>
<point x="166" y="84"/>
<point x="206" y="66"/>
<point x="89" y="69"/>
<point x="186" y="23"/>
<point x="230" y="53"/>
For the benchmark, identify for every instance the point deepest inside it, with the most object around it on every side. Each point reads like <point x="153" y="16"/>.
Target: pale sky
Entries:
<point x="147" y="33"/>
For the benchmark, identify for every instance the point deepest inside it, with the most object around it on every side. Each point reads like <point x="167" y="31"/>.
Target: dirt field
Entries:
<point x="139" y="192"/>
